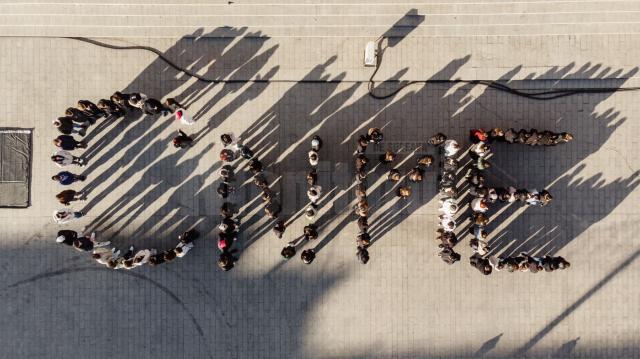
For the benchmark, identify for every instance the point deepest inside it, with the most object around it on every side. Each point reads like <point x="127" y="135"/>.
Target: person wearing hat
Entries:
<point x="316" y="143"/>
<point x="66" y="236"/>
<point x="182" y="140"/>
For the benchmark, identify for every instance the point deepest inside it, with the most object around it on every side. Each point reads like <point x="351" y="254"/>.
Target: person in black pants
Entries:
<point x="182" y="140"/>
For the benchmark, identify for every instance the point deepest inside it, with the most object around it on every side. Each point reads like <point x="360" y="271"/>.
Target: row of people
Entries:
<point x="520" y="263"/>
<point x="531" y="137"/>
<point x="111" y="257"/>
<point x="448" y="204"/>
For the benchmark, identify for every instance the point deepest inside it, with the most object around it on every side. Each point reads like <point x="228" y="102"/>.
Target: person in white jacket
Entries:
<point x="64" y="158"/>
<point x="479" y="205"/>
<point x="182" y="249"/>
<point x="314" y="193"/>
<point x="451" y="147"/>
<point x="66" y="215"/>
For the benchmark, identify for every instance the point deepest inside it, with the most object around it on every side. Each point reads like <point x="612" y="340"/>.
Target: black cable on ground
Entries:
<point x="533" y="95"/>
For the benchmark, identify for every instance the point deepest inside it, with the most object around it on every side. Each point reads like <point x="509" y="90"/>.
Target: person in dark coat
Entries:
<point x="67" y="237"/>
<point x="182" y="140"/>
<point x="110" y="109"/>
<point x="279" y="228"/>
<point x="68" y="196"/>
<point x="481" y="264"/>
<point x="66" y="178"/>
<point x="66" y="126"/>
<point x="68" y="143"/>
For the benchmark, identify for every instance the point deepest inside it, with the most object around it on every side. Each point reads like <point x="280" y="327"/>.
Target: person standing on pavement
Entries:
<point x="67" y="196"/>
<point x="66" y="215"/>
<point x="66" y="178"/>
<point x="68" y="143"/>
<point x="64" y="158"/>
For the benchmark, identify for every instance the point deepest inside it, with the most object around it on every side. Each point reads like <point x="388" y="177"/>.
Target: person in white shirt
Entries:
<point x="310" y="212"/>
<point x="143" y="256"/>
<point x="448" y="207"/>
<point x="479" y="205"/>
<point x="66" y="215"/>
<point x="182" y="249"/>
<point x="451" y="147"/>
<point x="316" y="143"/>
<point x="102" y="254"/>
<point x="448" y="224"/>
<point x="314" y="193"/>
<point x="313" y="158"/>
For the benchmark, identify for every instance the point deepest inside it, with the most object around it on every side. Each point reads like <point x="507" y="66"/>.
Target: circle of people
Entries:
<point x="77" y="121"/>
<point x="484" y="196"/>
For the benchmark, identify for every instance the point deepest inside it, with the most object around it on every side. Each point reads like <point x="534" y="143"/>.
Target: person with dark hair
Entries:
<point x="316" y="143"/>
<point x="227" y="155"/>
<point x="68" y="143"/>
<point x="477" y="135"/>
<point x="64" y="158"/>
<point x="394" y="175"/>
<point x="481" y="264"/>
<point x="67" y="196"/>
<point x="437" y="139"/>
<point x="79" y="117"/>
<point x="182" y="140"/>
<point x="173" y="105"/>
<point x="182" y="249"/>
<point x="546" y="138"/>
<point x="103" y="255"/>
<point x="448" y="255"/>
<point x="362" y="144"/>
<point x="510" y="136"/>
<point x="66" y="178"/>
<point x="314" y="193"/>
<point x="170" y="255"/>
<point x="450" y="165"/>
<point x="404" y="192"/>
<point x="361" y="162"/>
<point x="288" y="252"/>
<point x="482" y="164"/>
<point x="314" y="160"/>
<point x="451" y="148"/>
<point x="311" y="231"/>
<point x="224" y="189"/>
<point x="363" y="239"/>
<point x="534" y="138"/>
<point x="227" y="260"/>
<point x="255" y="166"/>
<point x="246" y="152"/>
<point x="188" y="236"/>
<point x="560" y="263"/>
<point x="425" y="161"/>
<point x="227" y="173"/>
<point x="307" y="256"/>
<point x="90" y="108"/>
<point x="416" y="175"/>
<point x="563" y="137"/>
<point x="448" y="239"/>
<point x="375" y="135"/>
<point x="88" y="243"/>
<point x="121" y="100"/>
<point x="110" y="109"/>
<point x="66" y="126"/>
<point x="227" y="210"/>
<point x="521" y="195"/>
<point x="312" y="177"/>
<point x="272" y="209"/>
<point x="362" y="208"/>
<point x="363" y="224"/>
<point x="496" y="135"/>
<point x="279" y="228"/>
<point x="156" y="258"/>
<point x="227" y="139"/>
<point x="361" y="191"/>
<point x="480" y="219"/>
<point x="387" y="157"/>
<point x="363" y="255"/>
<point x="67" y="237"/>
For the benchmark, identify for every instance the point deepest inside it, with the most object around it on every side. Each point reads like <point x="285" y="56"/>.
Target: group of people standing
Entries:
<point x="484" y="196"/>
<point x="448" y="192"/>
<point x="314" y="193"/>
<point x="531" y="137"/>
<point x="363" y="238"/>
<point x="76" y="122"/>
